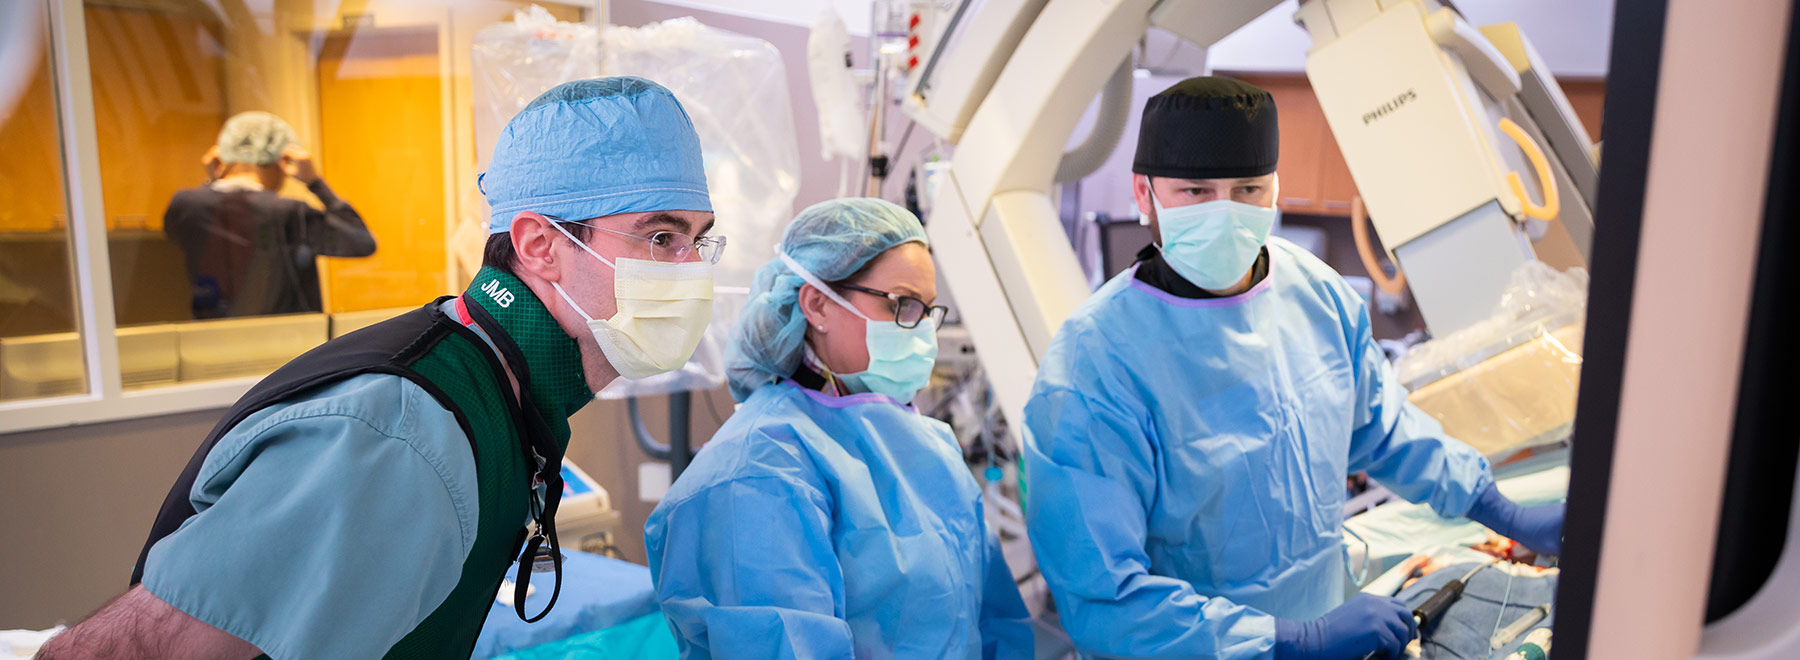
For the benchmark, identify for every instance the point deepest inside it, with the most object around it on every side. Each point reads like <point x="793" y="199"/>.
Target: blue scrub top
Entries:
<point x="814" y="526"/>
<point x="327" y="526"/>
<point x="1186" y="459"/>
<point x="309" y="506"/>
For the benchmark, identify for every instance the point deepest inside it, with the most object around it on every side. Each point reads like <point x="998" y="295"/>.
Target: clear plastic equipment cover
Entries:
<point x="511" y="64"/>
<point x="1510" y="381"/>
<point x="733" y="87"/>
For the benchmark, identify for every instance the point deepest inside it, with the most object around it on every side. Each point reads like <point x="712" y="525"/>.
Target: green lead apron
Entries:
<point x="517" y="445"/>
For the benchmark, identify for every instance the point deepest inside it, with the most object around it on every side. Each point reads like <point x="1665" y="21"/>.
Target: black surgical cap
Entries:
<point x="1208" y="128"/>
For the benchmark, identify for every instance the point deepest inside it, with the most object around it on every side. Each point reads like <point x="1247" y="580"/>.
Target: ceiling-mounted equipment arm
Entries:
<point x="1483" y="61"/>
<point x="1109" y="125"/>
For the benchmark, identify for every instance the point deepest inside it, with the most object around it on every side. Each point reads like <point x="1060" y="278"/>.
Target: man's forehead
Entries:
<point x="687" y="222"/>
<point x="1231" y="181"/>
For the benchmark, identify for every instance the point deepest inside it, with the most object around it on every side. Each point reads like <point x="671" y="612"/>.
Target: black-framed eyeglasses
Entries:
<point x="668" y="246"/>
<point x="908" y="311"/>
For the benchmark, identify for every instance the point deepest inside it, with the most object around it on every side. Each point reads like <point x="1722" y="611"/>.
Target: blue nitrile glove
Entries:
<point x="1362" y="625"/>
<point x="1537" y="527"/>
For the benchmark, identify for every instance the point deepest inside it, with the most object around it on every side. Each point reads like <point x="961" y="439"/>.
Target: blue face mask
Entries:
<point x="900" y="359"/>
<point x="1213" y="244"/>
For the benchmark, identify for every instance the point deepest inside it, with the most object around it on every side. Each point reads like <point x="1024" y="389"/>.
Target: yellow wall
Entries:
<point x="35" y="292"/>
<point x="382" y="150"/>
<point x="158" y="103"/>
<point x="31" y="183"/>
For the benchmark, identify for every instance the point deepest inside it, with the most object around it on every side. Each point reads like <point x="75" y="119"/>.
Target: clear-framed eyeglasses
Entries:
<point x="668" y="246"/>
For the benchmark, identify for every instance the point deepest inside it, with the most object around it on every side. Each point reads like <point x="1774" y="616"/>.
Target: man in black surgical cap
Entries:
<point x="1193" y="422"/>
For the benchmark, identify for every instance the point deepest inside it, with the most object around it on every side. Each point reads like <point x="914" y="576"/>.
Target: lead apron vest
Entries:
<point x="457" y="369"/>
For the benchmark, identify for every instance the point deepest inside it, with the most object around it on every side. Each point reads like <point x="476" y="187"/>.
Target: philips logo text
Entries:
<point x="1390" y="106"/>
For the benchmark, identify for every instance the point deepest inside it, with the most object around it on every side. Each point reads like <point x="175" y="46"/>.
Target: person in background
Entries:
<point x="828" y="518"/>
<point x="367" y="499"/>
<point x="1193" y="423"/>
<point x="249" y="251"/>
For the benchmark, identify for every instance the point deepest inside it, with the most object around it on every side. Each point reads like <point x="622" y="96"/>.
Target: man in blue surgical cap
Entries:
<point x="368" y="498"/>
<point x="1194" y="421"/>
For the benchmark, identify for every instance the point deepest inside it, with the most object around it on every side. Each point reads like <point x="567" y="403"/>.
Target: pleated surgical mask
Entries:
<point x="900" y="359"/>
<point x="1213" y="244"/>
<point x="663" y="309"/>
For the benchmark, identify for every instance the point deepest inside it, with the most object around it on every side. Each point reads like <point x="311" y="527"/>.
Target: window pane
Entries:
<point x="40" y="351"/>
<point x="238" y="242"/>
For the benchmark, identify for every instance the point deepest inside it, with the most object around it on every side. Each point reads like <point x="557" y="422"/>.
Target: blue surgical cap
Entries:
<point x="593" y="148"/>
<point x="833" y="240"/>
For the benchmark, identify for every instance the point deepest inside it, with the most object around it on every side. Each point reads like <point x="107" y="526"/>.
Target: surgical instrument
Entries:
<point x="1536" y="646"/>
<point x="1433" y="607"/>
<point x="1518" y="627"/>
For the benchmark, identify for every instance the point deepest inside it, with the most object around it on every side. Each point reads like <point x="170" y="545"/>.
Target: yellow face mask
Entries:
<point x="663" y="311"/>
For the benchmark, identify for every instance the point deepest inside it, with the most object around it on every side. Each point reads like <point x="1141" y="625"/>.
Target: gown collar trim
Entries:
<point x="1204" y="303"/>
<point x="847" y="400"/>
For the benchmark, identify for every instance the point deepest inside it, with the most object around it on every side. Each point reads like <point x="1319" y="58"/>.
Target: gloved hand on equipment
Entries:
<point x="1537" y="527"/>
<point x="1362" y="626"/>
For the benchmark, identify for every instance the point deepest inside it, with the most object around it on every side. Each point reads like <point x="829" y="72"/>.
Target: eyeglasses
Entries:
<point x="908" y="311"/>
<point x="668" y="246"/>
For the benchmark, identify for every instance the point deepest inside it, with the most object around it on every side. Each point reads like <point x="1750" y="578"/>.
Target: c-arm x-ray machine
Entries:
<point x="1462" y="146"/>
<point x="1690" y="330"/>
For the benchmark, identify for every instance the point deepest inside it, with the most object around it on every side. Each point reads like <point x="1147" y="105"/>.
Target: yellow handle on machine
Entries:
<point x="1359" y="228"/>
<point x="1552" y="203"/>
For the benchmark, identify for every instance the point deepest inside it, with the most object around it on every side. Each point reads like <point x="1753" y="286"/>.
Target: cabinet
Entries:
<point x="1314" y="178"/>
<point x="1587" y="98"/>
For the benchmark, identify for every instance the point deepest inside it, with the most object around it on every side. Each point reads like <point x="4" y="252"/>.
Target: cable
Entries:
<point x="712" y="408"/>
<point x="1501" y="615"/>
<point x="895" y="157"/>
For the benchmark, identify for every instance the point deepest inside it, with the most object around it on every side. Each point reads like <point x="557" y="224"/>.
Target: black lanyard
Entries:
<point x="543" y="459"/>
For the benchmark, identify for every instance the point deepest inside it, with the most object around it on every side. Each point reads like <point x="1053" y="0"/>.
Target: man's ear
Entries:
<point x="1140" y="190"/>
<point x="534" y="242"/>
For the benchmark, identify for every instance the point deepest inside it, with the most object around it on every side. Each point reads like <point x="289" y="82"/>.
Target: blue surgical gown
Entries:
<point x="1186" y="459"/>
<point x="814" y="526"/>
